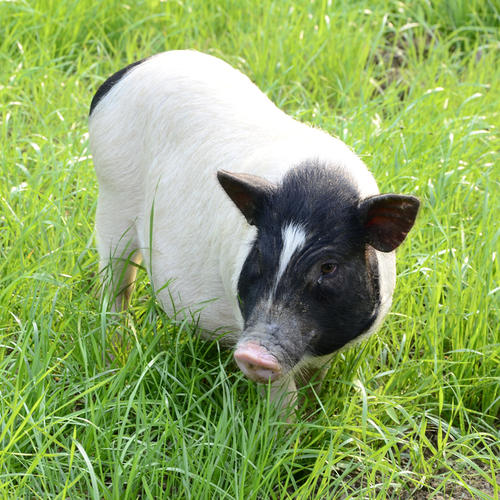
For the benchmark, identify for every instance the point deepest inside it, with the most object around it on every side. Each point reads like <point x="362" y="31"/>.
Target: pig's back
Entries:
<point x="158" y="135"/>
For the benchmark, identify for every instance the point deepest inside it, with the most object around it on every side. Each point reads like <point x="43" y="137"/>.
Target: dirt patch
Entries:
<point x="391" y="58"/>
<point x="442" y="486"/>
<point x="450" y="490"/>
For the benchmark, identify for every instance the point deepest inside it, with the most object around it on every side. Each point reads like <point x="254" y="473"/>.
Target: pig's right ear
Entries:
<point x="246" y="191"/>
<point x="387" y="219"/>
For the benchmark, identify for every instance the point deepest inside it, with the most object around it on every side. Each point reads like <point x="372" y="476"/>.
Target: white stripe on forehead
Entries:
<point x="294" y="238"/>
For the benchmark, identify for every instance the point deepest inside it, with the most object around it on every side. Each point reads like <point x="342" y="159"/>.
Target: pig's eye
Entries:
<point x="328" y="268"/>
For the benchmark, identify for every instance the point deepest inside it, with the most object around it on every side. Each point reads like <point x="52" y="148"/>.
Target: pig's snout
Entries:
<point x="257" y="363"/>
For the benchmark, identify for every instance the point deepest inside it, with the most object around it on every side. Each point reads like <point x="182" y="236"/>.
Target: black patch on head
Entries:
<point x="350" y="302"/>
<point x="330" y="308"/>
<point x="109" y="83"/>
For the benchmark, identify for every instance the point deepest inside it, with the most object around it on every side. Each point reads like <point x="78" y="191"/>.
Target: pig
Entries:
<point x="262" y="226"/>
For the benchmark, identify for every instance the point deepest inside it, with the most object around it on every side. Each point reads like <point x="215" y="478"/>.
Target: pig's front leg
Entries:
<point x="313" y="375"/>
<point x="283" y="395"/>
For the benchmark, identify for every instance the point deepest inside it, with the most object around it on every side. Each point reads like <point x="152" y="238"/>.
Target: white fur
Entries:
<point x="158" y="138"/>
<point x="294" y="238"/>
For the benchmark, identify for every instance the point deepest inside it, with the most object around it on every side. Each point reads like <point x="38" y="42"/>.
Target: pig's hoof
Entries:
<point x="256" y="362"/>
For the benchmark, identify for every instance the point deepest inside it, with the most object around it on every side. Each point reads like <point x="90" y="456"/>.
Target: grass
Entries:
<point x="413" y="413"/>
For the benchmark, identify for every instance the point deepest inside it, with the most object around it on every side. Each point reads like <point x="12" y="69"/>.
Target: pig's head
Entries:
<point x="310" y="283"/>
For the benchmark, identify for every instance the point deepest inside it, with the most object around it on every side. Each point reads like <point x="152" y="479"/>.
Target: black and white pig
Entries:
<point x="218" y="190"/>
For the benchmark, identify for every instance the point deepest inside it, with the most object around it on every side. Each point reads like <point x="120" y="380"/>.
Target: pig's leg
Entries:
<point x="118" y="249"/>
<point x="313" y="375"/>
<point x="283" y="394"/>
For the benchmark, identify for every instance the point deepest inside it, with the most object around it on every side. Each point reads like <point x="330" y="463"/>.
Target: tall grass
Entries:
<point x="414" y="88"/>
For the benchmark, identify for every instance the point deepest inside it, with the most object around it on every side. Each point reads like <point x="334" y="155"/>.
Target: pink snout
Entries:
<point x="257" y="363"/>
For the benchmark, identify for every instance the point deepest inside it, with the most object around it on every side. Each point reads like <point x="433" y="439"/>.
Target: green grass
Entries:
<point x="413" y="87"/>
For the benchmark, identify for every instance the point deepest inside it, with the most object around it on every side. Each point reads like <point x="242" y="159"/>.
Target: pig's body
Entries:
<point x="159" y="133"/>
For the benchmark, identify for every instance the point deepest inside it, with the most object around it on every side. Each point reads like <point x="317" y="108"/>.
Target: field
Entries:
<point x="412" y="87"/>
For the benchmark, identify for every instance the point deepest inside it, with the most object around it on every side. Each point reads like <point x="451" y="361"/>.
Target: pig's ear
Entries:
<point x="387" y="219"/>
<point x="247" y="191"/>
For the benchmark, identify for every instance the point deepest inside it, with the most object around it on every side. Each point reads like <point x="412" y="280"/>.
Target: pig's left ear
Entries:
<point x="248" y="192"/>
<point x="387" y="219"/>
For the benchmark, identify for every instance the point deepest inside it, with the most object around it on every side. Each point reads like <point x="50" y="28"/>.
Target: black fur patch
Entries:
<point x="109" y="83"/>
<point x="326" y="310"/>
